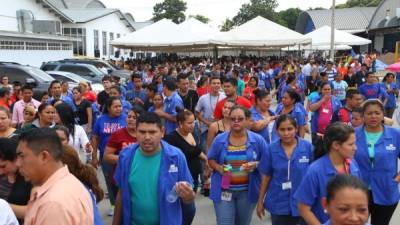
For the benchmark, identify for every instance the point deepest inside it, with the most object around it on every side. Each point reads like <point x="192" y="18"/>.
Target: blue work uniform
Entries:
<point x="299" y="113"/>
<point x="256" y="116"/>
<point x="285" y="175"/>
<point x="379" y="174"/>
<point x="391" y="97"/>
<point x="173" y="169"/>
<point x="336" y="105"/>
<point x="170" y="104"/>
<point x="313" y="187"/>
<point x="255" y="148"/>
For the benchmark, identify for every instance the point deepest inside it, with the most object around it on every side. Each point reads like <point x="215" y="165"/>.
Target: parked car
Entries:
<point x="74" y="79"/>
<point x="27" y="75"/>
<point x="86" y="71"/>
<point x="111" y="69"/>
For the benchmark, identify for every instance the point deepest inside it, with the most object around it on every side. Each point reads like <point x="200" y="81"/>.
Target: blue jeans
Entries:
<point x="111" y="188"/>
<point x="188" y="213"/>
<point x="286" y="220"/>
<point x="238" y="211"/>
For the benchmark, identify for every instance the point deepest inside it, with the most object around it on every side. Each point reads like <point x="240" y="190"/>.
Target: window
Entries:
<point x="80" y="70"/>
<point x="12" y="45"/>
<point x="66" y="46"/>
<point x="96" y="39"/>
<point x="118" y="35"/>
<point x="49" y="67"/>
<point x="36" y="45"/>
<point x="79" y="46"/>
<point x="61" y="78"/>
<point x="54" y="46"/>
<point x="15" y="74"/>
<point x="104" y="43"/>
<point x="66" y="31"/>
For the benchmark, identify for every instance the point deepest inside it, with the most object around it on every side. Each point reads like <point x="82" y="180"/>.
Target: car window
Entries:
<point x="49" y="67"/>
<point x="15" y="74"/>
<point x="61" y="78"/>
<point x="80" y="70"/>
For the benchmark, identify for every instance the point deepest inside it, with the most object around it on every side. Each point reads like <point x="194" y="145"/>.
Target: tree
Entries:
<point x="200" y="18"/>
<point x="358" y="3"/>
<point x="170" y="9"/>
<point x="289" y="17"/>
<point x="248" y="11"/>
<point x="226" y="25"/>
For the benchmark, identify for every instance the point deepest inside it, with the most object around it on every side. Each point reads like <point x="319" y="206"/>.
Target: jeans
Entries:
<point x="238" y="211"/>
<point x="108" y="176"/>
<point x="287" y="220"/>
<point x="188" y="213"/>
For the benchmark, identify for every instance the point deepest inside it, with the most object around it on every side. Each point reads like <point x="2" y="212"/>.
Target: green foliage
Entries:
<point x="200" y="18"/>
<point x="227" y="25"/>
<point x="288" y="17"/>
<point x="170" y="9"/>
<point x="359" y="3"/>
<point x="248" y="11"/>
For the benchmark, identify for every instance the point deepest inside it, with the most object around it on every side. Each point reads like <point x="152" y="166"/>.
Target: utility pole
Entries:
<point x="332" y="53"/>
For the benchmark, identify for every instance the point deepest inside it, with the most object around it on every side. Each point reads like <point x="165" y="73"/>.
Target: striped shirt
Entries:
<point x="236" y="157"/>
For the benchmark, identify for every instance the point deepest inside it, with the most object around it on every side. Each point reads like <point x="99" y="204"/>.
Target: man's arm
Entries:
<point x="117" y="210"/>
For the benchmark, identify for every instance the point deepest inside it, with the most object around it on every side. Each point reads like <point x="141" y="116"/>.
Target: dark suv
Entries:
<point x="86" y="71"/>
<point x="27" y="75"/>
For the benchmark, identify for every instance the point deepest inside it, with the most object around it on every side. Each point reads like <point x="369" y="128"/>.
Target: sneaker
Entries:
<point x="110" y="211"/>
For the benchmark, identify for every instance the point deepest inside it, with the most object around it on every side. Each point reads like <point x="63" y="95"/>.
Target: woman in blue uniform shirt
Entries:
<point x="340" y="143"/>
<point x="261" y="114"/>
<point x="291" y="104"/>
<point x="242" y="149"/>
<point x="282" y="166"/>
<point x="346" y="201"/>
<point x="390" y="87"/>
<point x="378" y="152"/>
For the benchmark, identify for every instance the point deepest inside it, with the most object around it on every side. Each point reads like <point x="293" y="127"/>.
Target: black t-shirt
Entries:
<point x="191" y="152"/>
<point x="81" y="111"/>
<point x="20" y="191"/>
<point x="102" y="98"/>
<point x="190" y="100"/>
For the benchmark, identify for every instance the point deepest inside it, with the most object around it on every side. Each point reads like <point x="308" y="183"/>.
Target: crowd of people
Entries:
<point x="183" y="126"/>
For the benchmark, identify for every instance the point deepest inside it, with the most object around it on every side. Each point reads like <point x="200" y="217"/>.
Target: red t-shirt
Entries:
<point x="220" y="105"/>
<point x="120" y="139"/>
<point x="90" y="96"/>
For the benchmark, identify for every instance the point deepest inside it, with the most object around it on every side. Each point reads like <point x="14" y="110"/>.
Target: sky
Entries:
<point x="216" y="10"/>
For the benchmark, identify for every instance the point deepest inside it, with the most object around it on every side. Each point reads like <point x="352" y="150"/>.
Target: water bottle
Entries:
<point x="172" y="196"/>
<point x="226" y="177"/>
<point x="88" y="157"/>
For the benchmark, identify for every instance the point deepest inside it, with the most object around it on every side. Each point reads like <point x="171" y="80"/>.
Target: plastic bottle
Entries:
<point x="226" y="177"/>
<point x="172" y="196"/>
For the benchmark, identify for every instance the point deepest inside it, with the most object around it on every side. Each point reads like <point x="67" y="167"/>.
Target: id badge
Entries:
<point x="226" y="196"/>
<point x="287" y="185"/>
<point x="325" y="110"/>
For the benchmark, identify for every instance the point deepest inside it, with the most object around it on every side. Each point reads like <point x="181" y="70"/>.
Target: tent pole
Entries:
<point x="332" y="53"/>
<point x="215" y="53"/>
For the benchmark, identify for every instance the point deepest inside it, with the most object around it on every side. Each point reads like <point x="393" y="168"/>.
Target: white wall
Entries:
<point x="110" y="23"/>
<point x="8" y="15"/>
<point x="34" y="57"/>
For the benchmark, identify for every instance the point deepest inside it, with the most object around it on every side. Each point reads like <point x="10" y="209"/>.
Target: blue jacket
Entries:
<point x="336" y="105"/>
<point x="381" y="176"/>
<point x="256" y="116"/>
<point x="391" y="98"/>
<point x="274" y="163"/>
<point x="256" y="146"/>
<point x="172" y="157"/>
<point x="298" y="113"/>
<point x="170" y="104"/>
<point x="313" y="187"/>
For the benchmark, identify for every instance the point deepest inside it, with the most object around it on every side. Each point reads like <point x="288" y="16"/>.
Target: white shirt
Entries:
<point x="79" y="140"/>
<point x="7" y="216"/>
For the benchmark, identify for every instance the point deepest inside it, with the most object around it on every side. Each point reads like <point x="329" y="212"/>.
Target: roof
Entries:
<point x="385" y="15"/>
<point x="352" y="20"/>
<point x="36" y="36"/>
<point x="140" y="25"/>
<point x="86" y="15"/>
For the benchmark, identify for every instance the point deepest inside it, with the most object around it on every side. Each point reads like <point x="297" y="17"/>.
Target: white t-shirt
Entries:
<point x="79" y="140"/>
<point x="7" y="216"/>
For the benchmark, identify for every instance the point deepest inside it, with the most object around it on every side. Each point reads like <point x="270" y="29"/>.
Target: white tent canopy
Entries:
<point x="316" y="47"/>
<point x="322" y="36"/>
<point x="261" y="32"/>
<point x="197" y="27"/>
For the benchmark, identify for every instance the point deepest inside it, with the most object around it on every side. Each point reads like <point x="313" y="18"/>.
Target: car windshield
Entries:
<point x="39" y="74"/>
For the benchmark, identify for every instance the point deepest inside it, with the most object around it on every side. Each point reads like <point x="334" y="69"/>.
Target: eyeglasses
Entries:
<point x="237" y="119"/>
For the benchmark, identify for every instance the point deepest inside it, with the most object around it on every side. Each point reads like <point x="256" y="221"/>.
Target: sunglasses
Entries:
<point x="237" y="119"/>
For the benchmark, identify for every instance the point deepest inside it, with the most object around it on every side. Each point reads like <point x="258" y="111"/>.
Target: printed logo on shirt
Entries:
<point x="304" y="159"/>
<point x="111" y="127"/>
<point x="173" y="169"/>
<point x="391" y="147"/>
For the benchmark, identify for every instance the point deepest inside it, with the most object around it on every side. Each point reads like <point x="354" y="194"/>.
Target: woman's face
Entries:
<point x="4" y="121"/>
<point x="238" y="120"/>
<point x="252" y="83"/>
<point x="57" y="118"/>
<point x="349" y="206"/>
<point x="131" y="120"/>
<point x="5" y="80"/>
<point x="47" y="115"/>
<point x="390" y="79"/>
<point x="373" y="116"/>
<point x="326" y="90"/>
<point x="287" y="100"/>
<point x="29" y="115"/>
<point x="77" y="95"/>
<point x="347" y="148"/>
<point x="227" y="109"/>
<point x="158" y="100"/>
<point x="287" y="131"/>
<point x="8" y="167"/>
<point x="63" y="137"/>
<point x="264" y="103"/>
<point x="188" y="125"/>
<point x="115" y="109"/>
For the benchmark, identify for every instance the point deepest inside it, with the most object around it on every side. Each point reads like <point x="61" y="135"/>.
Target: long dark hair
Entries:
<point x="344" y="181"/>
<point x="109" y="103"/>
<point x="67" y="117"/>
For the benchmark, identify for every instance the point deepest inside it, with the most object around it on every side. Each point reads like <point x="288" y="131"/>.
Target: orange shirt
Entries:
<point x="61" y="200"/>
